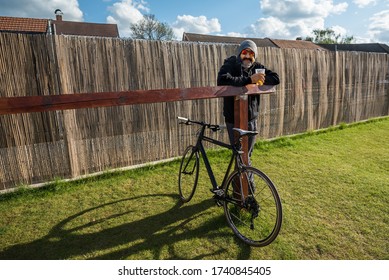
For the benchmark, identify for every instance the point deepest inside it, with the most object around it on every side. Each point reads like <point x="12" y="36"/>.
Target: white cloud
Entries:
<point x="125" y="13"/>
<point x="379" y="26"/>
<point x="275" y="28"/>
<point x="270" y="27"/>
<point x="364" y="3"/>
<point x="339" y="30"/>
<point x="235" y="34"/>
<point x="200" y="24"/>
<point x="42" y="9"/>
<point x="288" y="19"/>
<point x="300" y="9"/>
<point x="141" y="5"/>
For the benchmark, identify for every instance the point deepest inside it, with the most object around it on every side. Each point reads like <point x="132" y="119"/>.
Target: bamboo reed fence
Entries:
<point x="318" y="89"/>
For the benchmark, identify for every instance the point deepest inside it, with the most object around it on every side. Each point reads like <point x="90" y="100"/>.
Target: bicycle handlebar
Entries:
<point x="213" y="127"/>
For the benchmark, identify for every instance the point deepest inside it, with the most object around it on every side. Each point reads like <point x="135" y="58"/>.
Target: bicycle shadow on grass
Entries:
<point x="92" y="235"/>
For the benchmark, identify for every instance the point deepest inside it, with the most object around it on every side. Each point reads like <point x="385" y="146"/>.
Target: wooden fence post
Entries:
<point x="241" y="121"/>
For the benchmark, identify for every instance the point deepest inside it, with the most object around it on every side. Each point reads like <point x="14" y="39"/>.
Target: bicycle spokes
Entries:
<point x="188" y="175"/>
<point x="254" y="217"/>
<point x="190" y="165"/>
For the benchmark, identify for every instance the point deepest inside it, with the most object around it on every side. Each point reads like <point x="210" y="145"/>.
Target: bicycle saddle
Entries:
<point x="245" y="132"/>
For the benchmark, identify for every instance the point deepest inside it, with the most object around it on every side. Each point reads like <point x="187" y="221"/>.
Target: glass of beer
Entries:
<point x="261" y="71"/>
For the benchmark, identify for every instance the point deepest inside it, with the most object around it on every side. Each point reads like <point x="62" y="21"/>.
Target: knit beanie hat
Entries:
<point x="248" y="44"/>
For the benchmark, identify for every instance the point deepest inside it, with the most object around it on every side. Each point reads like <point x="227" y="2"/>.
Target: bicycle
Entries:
<point x="250" y="200"/>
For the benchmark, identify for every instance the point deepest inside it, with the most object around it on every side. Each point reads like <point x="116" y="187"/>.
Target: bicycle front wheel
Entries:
<point x="189" y="174"/>
<point x="256" y="217"/>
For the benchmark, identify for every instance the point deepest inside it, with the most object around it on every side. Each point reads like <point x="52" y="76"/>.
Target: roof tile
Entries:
<point x="296" y="44"/>
<point x="33" y="25"/>
<point x="193" y="37"/>
<point x="85" y="29"/>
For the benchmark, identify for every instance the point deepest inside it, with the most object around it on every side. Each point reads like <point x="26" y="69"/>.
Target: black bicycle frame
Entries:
<point x="200" y="147"/>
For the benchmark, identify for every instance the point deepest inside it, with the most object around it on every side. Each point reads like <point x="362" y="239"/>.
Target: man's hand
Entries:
<point x="258" y="78"/>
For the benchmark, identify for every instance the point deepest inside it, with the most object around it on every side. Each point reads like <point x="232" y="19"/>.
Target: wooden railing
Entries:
<point x="31" y="104"/>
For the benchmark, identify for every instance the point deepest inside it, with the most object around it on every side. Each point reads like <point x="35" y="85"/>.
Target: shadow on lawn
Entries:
<point x="151" y="234"/>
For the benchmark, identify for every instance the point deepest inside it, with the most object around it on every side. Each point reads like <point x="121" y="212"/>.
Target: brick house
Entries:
<point x="57" y="27"/>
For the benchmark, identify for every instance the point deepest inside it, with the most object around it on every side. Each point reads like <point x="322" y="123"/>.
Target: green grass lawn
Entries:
<point x="334" y="187"/>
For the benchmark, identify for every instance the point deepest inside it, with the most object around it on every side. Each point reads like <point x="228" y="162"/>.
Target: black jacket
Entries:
<point x="232" y="74"/>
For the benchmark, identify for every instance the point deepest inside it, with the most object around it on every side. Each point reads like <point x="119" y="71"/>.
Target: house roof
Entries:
<point x="193" y="37"/>
<point x="296" y="44"/>
<point x="59" y="27"/>
<point x="85" y="28"/>
<point x="371" y="47"/>
<point x="23" y="25"/>
<point x="266" y="42"/>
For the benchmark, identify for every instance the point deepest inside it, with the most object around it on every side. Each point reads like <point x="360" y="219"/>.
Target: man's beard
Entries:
<point x="246" y="63"/>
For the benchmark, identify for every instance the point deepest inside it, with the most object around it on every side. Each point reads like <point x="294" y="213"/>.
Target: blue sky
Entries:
<point x="366" y="20"/>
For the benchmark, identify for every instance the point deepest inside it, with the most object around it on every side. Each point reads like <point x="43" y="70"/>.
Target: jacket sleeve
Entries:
<point x="271" y="78"/>
<point x="230" y="75"/>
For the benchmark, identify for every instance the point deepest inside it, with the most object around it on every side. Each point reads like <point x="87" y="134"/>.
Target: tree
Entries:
<point x="150" y="28"/>
<point x="328" y="36"/>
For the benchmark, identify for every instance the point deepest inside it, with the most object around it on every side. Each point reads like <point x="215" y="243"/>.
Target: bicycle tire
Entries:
<point x="263" y="229"/>
<point x="188" y="174"/>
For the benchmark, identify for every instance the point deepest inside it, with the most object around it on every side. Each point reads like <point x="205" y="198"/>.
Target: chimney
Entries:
<point x="58" y="14"/>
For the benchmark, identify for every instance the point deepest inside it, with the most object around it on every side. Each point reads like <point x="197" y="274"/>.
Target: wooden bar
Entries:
<point x="241" y="121"/>
<point x="30" y="104"/>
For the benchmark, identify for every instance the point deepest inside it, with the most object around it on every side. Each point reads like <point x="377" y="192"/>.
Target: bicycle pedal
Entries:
<point x="218" y="192"/>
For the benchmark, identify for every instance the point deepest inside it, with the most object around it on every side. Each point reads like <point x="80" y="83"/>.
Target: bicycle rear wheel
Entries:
<point x="255" y="219"/>
<point x="189" y="174"/>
